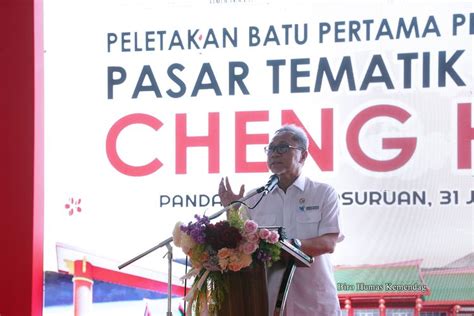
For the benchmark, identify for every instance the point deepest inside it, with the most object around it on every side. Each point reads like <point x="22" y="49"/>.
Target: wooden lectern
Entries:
<point x="250" y="290"/>
<point x="247" y="292"/>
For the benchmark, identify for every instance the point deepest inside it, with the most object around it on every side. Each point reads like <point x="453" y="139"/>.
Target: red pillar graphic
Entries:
<point x="418" y="306"/>
<point x="382" y="307"/>
<point x="455" y="310"/>
<point x="348" y="307"/>
<point x="82" y="287"/>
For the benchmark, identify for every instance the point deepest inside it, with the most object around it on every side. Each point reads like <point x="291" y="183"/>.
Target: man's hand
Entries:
<point x="226" y="194"/>
<point x="319" y="245"/>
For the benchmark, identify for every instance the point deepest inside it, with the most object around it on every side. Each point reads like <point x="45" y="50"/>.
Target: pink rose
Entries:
<point x="273" y="238"/>
<point x="264" y="233"/>
<point x="249" y="248"/>
<point x="253" y="238"/>
<point x="250" y="227"/>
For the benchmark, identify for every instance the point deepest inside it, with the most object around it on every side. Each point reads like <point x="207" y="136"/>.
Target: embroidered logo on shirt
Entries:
<point x="314" y="207"/>
<point x="301" y="207"/>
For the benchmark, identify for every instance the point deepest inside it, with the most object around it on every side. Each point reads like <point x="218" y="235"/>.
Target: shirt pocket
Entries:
<point x="307" y="224"/>
<point x="313" y="216"/>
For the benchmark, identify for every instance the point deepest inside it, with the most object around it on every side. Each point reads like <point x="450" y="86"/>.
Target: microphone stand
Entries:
<point x="169" y="254"/>
<point x="168" y="241"/>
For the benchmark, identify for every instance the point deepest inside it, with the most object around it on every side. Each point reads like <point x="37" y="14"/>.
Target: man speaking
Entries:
<point x="309" y="212"/>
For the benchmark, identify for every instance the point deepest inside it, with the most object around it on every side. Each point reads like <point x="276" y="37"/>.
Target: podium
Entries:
<point x="257" y="290"/>
<point x="247" y="292"/>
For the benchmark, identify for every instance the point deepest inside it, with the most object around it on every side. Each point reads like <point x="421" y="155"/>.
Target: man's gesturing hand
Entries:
<point x="226" y="194"/>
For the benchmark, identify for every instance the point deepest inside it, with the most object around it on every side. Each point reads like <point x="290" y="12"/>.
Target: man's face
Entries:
<point x="288" y="163"/>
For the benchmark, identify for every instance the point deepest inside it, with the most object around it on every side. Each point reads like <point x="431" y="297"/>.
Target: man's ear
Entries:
<point x="304" y="155"/>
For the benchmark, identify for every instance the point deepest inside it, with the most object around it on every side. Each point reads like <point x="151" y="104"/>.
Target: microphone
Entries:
<point x="272" y="182"/>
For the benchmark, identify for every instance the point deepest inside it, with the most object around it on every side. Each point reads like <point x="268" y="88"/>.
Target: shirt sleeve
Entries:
<point x="330" y="213"/>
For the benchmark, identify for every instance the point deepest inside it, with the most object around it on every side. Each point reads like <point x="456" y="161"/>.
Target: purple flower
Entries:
<point x="197" y="229"/>
<point x="263" y="256"/>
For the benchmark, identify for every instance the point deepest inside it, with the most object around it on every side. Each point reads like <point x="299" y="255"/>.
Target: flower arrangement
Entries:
<point x="215" y="249"/>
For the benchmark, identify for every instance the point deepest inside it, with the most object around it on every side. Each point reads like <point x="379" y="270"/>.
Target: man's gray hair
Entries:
<point x="298" y="133"/>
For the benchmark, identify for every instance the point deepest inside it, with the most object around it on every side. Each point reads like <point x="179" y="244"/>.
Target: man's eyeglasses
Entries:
<point x="280" y="149"/>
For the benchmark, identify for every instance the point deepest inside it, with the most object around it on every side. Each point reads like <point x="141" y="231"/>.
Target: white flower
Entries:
<point x="187" y="243"/>
<point x="177" y="234"/>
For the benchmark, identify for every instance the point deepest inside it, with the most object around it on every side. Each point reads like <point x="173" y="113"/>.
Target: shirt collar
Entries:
<point x="299" y="183"/>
